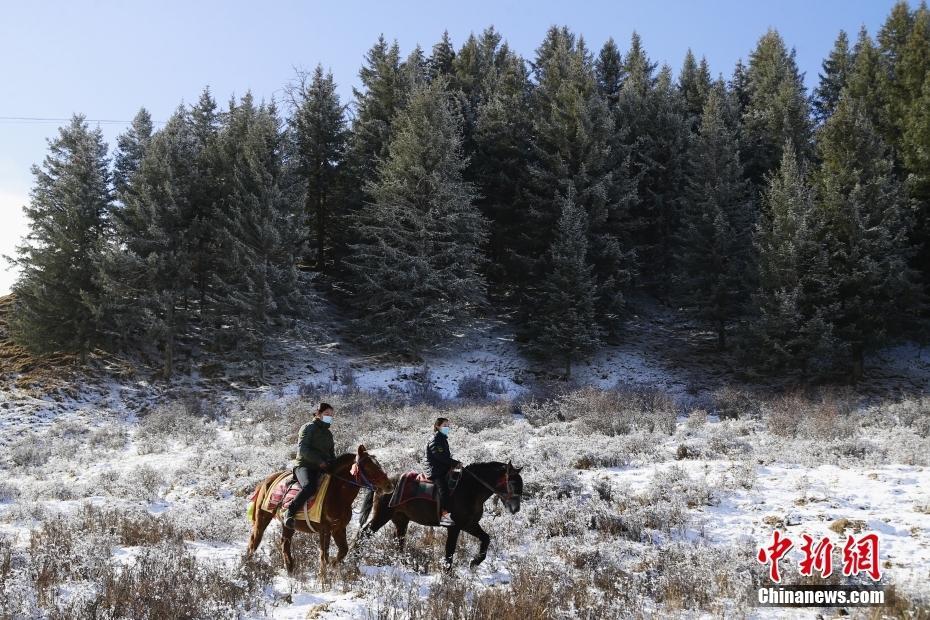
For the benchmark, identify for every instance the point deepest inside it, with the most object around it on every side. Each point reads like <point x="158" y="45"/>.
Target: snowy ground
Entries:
<point x="632" y="508"/>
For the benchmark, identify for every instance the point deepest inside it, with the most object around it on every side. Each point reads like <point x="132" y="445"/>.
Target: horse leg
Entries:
<point x="324" y="550"/>
<point x="485" y="539"/>
<point x="262" y="519"/>
<point x="286" y="535"/>
<point x="401" y="521"/>
<point x="452" y="540"/>
<point x="339" y="536"/>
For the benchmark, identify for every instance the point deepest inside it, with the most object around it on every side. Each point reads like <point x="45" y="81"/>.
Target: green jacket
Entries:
<point x="314" y="445"/>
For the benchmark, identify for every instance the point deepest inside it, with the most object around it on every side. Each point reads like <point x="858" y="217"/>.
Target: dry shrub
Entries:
<point x="733" y="403"/>
<point x="619" y="411"/>
<point x="479" y="387"/>
<point x="794" y="415"/>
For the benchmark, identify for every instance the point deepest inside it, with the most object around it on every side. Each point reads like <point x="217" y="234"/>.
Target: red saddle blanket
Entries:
<point x="413" y="485"/>
<point x="283" y="492"/>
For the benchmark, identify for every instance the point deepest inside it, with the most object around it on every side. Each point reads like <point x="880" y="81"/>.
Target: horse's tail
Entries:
<point x="258" y="496"/>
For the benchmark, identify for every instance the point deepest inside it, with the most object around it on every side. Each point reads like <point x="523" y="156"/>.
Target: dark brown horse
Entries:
<point x="479" y="481"/>
<point x="348" y="474"/>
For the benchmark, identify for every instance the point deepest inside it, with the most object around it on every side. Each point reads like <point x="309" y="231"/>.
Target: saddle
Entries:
<point x="415" y="485"/>
<point x="283" y="491"/>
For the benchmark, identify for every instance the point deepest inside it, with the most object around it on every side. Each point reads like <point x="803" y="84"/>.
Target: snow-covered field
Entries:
<point x="634" y="507"/>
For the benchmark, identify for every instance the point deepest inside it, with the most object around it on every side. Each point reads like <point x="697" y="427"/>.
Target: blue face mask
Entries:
<point x="327" y="419"/>
<point x="444" y="430"/>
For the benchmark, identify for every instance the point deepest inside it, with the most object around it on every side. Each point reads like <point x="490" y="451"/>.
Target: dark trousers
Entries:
<point x="442" y="484"/>
<point x="308" y="478"/>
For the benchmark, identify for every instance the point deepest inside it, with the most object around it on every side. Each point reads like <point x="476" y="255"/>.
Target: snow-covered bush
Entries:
<point x="479" y="387"/>
<point x="619" y="411"/>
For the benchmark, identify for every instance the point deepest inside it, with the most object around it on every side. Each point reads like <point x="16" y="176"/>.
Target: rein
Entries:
<point x="493" y="490"/>
<point x="365" y="484"/>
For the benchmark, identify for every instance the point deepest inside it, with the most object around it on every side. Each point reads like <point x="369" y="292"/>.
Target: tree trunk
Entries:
<point x="321" y="231"/>
<point x="858" y="365"/>
<point x="169" y="343"/>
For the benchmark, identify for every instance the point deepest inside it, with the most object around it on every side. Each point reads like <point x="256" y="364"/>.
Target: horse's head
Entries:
<point x="368" y="471"/>
<point x="511" y="486"/>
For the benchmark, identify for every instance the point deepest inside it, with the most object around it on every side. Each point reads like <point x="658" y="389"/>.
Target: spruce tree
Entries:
<point x="777" y="110"/>
<point x="498" y="166"/>
<point x="376" y="105"/>
<point x="652" y="128"/>
<point x="130" y="149"/>
<point x="694" y="83"/>
<point x="57" y="293"/>
<point x="442" y="58"/>
<point x="205" y="193"/>
<point x="867" y="81"/>
<point x="415" y="268"/>
<point x="148" y="266"/>
<point x="610" y="73"/>
<point x="792" y="330"/>
<point x="565" y="318"/>
<point x="572" y="132"/>
<point x="715" y="230"/>
<point x="258" y="284"/>
<point x="867" y="225"/>
<point x="319" y="128"/>
<point x="835" y="76"/>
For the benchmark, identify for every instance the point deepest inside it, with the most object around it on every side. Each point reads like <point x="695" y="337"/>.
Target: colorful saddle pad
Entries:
<point x="413" y="485"/>
<point x="285" y="488"/>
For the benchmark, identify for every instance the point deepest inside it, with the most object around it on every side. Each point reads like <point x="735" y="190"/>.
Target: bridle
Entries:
<point x="359" y="473"/>
<point x="507" y="484"/>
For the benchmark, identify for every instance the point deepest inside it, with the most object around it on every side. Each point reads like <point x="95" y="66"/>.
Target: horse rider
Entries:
<point x="438" y="463"/>
<point x="315" y="453"/>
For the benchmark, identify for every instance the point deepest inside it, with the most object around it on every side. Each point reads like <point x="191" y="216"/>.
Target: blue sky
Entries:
<point x="106" y="59"/>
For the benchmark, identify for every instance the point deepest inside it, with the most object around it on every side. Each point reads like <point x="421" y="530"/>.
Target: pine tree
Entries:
<point x="565" y="316"/>
<point x="147" y="269"/>
<point x="835" y="76"/>
<point x="416" y="266"/>
<point x="694" y="83"/>
<point x="572" y="130"/>
<point x="739" y="89"/>
<point x="792" y="330"/>
<point x="867" y="81"/>
<point x="319" y="127"/>
<point x="259" y="284"/>
<point x="610" y="73"/>
<point x="57" y="294"/>
<point x="130" y="149"/>
<point x="778" y="109"/>
<point x="868" y="221"/>
<point x="498" y="166"/>
<point x="475" y="69"/>
<point x="652" y="128"/>
<point x="714" y="238"/>
<point x="442" y="59"/>
<point x="415" y="71"/>
<point x="204" y="194"/>
<point x="376" y="104"/>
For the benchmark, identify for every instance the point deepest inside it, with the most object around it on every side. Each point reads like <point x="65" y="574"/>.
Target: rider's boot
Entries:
<point x="446" y="519"/>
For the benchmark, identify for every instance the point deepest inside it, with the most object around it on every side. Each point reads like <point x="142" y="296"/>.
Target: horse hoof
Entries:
<point x="476" y="561"/>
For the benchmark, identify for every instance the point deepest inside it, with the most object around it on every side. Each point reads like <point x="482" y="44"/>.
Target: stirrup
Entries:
<point x="289" y="522"/>
<point x="446" y="520"/>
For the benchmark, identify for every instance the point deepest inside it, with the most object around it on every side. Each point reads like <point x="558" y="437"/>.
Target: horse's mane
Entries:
<point x="343" y="461"/>
<point x="477" y="468"/>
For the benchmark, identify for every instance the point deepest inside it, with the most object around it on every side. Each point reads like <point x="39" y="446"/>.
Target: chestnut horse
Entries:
<point x="479" y="481"/>
<point x="348" y="474"/>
